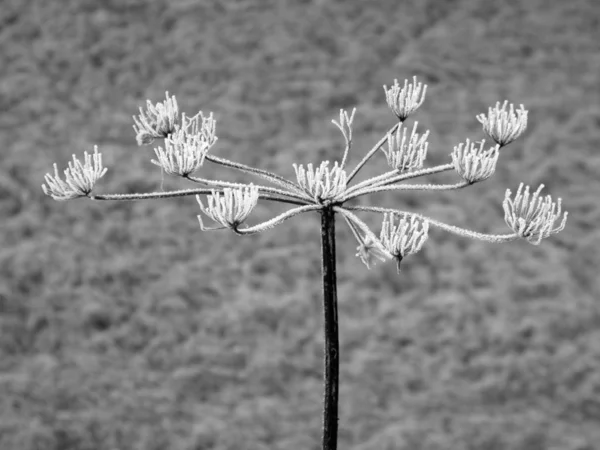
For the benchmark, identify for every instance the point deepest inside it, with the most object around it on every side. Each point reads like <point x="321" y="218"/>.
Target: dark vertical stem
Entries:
<point x="331" y="350"/>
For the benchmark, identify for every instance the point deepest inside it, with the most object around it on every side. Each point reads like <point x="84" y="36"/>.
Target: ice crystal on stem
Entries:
<point x="504" y="126"/>
<point x="229" y="208"/>
<point x="405" y="100"/>
<point x="406" y="153"/>
<point x="79" y="178"/>
<point x="532" y="218"/>
<point x="157" y="121"/>
<point x="474" y="164"/>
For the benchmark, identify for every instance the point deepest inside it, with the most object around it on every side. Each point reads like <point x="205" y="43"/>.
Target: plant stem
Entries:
<point x="331" y="348"/>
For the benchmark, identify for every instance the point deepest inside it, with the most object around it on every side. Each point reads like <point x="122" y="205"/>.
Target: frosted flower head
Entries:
<point x="405" y="100"/>
<point x="80" y="178"/>
<point x="231" y="207"/>
<point x="186" y="148"/>
<point x="322" y="184"/>
<point x="504" y="126"/>
<point x="404" y="238"/>
<point x="532" y="218"/>
<point x="370" y="250"/>
<point x="406" y="153"/>
<point x="474" y="164"/>
<point x="157" y="121"/>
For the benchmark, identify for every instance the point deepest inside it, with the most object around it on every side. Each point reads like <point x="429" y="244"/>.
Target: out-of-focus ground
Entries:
<point x="123" y="326"/>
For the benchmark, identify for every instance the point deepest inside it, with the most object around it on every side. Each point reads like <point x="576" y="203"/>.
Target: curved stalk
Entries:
<point x="277" y="220"/>
<point x="450" y="228"/>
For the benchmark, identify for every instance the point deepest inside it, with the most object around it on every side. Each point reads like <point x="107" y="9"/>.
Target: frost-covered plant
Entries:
<point x="328" y="189"/>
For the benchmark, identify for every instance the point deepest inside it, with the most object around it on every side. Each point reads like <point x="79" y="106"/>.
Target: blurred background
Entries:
<point x="123" y="326"/>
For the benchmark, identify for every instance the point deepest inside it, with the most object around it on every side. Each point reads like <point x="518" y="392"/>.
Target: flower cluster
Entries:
<point x="80" y="178"/>
<point x="188" y="140"/>
<point x="504" y="126"/>
<point x="532" y="218"/>
<point x="157" y="121"/>
<point x="229" y="208"/>
<point x="406" y="154"/>
<point x="474" y="164"/>
<point x="405" y="238"/>
<point x="403" y="101"/>
<point x="186" y="148"/>
<point x="322" y="184"/>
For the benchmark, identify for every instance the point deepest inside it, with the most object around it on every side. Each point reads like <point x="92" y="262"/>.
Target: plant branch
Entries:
<point x="450" y="228"/>
<point x="277" y="220"/>
<point x="393" y="177"/>
<point x="371" y="152"/>
<point x="406" y="187"/>
<point x="261" y="173"/>
<point x="304" y="200"/>
<point x="182" y="193"/>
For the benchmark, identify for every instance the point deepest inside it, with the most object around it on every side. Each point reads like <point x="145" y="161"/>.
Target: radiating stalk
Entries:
<point x="331" y="349"/>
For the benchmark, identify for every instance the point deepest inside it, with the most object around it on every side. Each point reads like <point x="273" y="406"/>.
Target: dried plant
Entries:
<point x="327" y="190"/>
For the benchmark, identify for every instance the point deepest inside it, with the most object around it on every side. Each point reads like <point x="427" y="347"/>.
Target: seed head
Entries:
<point x="79" y="178"/>
<point x="322" y="184"/>
<point x="504" y="126"/>
<point x="404" y="101"/>
<point x="230" y="208"/>
<point x="474" y="164"/>
<point x="532" y="218"/>
<point x="405" y="238"/>
<point x="157" y="121"/>
<point x="186" y="148"/>
<point x="406" y="154"/>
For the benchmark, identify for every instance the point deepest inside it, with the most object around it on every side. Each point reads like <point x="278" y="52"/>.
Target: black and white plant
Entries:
<point x="327" y="190"/>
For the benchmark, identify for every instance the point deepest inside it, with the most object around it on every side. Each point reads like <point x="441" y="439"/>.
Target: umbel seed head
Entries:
<point x="532" y="218"/>
<point x="405" y="100"/>
<point x="504" y="126"/>
<point x="157" y="121"/>
<point x="474" y="164"/>
<point x="79" y="178"/>
<point x="322" y="183"/>
<point x="230" y="208"/>
<point x="406" y="153"/>
<point x="404" y="238"/>
<point x="186" y="148"/>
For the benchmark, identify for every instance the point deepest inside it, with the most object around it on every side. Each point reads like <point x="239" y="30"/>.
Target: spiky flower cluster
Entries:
<point x="404" y="238"/>
<point x="474" y="164"/>
<point x="80" y="178"/>
<point x="187" y="141"/>
<point x="406" y="153"/>
<point x="186" y="148"/>
<point x="321" y="184"/>
<point x="532" y="218"/>
<point x="157" y="121"/>
<point x="504" y="126"/>
<point x="403" y="101"/>
<point x="229" y="208"/>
